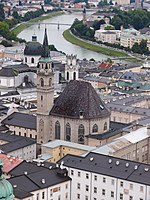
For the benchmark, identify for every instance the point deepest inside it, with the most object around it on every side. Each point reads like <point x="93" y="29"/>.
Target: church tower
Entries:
<point x="84" y="16"/>
<point x="71" y="68"/>
<point x="45" y="93"/>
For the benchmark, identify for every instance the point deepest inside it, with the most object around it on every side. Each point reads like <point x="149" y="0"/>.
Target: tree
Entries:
<point x="97" y="24"/>
<point x="137" y="22"/>
<point x="2" y="14"/>
<point x="141" y="48"/>
<point x="136" y="48"/>
<point x="15" y="15"/>
<point x="117" y="22"/>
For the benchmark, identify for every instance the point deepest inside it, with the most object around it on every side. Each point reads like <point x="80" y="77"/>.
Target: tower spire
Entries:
<point x="46" y="51"/>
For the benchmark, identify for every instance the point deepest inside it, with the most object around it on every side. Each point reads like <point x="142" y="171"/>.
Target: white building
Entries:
<point x="106" y="36"/>
<point x="122" y="2"/>
<point x="35" y="182"/>
<point x="131" y="36"/>
<point x="100" y="177"/>
<point x="18" y="146"/>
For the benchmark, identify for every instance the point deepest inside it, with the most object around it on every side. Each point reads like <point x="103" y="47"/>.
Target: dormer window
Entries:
<point x="81" y="114"/>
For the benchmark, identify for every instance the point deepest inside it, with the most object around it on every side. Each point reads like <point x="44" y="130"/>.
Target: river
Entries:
<point x="55" y="36"/>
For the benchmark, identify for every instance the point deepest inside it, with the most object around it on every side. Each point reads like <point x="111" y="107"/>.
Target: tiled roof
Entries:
<point x="9" y="162"/>
<point x="77" y="97"/>
<point x="21" y="120"/>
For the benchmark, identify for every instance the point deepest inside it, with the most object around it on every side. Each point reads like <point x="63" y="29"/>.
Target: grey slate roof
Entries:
<point x="20" y="194"/>
<point x="32" y="182"/>
<point x="80" y="96"/>
<point x="13" y="70"/>
<point x="14" y="142"/>
<point x="29" y="167"/>
<point x="21" y="120"/>
<point x="100" y="164"/>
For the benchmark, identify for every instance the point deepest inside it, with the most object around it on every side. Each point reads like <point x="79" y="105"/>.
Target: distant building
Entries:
<point x="122" y="2"/>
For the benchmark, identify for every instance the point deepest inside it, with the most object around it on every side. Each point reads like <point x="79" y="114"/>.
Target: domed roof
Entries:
<point x="6" y="190"/>
<point x="33" y="49"/>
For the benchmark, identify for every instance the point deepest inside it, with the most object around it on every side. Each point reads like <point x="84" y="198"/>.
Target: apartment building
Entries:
<point x="21" y="124"/>
<point x="131" y="36"/>
<point x="101" y="177"/>
<point x="122" y="2"/>
<point x="33" y="181"/>
<point x="132" y="146"/>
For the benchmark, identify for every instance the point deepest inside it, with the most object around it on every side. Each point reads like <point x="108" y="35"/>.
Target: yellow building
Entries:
<point x="56" y="149"/>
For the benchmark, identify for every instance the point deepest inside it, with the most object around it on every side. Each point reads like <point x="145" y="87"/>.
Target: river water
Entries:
<point x="55" y="36"/>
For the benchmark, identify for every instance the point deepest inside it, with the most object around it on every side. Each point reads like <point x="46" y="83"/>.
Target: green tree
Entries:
<point x="15" y="15"/>
<point x="2" y="14"/>
<point x="117" y="22"/>
<point x="97" y="24"/>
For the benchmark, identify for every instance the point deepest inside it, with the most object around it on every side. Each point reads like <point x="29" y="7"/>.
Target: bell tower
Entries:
<point x="45" y="93"/>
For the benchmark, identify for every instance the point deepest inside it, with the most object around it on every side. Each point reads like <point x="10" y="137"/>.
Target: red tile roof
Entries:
<point x="105" y="65"/>
<point x="9" y="162"/>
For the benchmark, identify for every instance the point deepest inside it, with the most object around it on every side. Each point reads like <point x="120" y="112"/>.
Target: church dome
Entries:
<point x="6" y="189"/>
<point x="33" y="49"/>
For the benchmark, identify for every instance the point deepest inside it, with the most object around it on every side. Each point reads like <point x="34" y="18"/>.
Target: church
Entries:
<point x="75" y="114"/>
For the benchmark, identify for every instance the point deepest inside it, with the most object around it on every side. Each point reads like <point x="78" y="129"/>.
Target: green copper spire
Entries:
<point x="46" y="51"/>
<point x="6" y="189"/>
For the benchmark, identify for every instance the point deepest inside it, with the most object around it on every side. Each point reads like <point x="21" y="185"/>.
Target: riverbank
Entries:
<point x="27" y="24"/>
<point x="87" y="45"/>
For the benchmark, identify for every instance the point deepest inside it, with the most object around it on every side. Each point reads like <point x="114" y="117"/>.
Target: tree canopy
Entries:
<point x="137" y="18"/>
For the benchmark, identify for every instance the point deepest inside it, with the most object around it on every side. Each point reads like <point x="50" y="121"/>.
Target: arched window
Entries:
<point x="74" y="75"/>
<point x="68" y="132"/>
<point x="32" y="60"/>
<point x="95" y="128"/>
<point x="50" y="82"/>
<point x="67" y="76"/>
<point x="57" y="130"/>
<point x="81" y="134"/>
<point x="105" y="126"/>
<point x="42" y="82"/>
<point x="25" y="59"/>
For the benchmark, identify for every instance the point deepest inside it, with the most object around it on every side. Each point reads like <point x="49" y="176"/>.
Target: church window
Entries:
<point x="105" y="126"/>
<point x="95" y="128"/>
<point x="50" y="82"/>
<point x="32" y="60"/>
<point x="57" y="130"/>
<point x="74" y="76"/>
<point x="68" y="132"/>
<point x="41" y="98"/>
<point x="81" y="134"/>
<point x="67" y="76"/>
<point x="42" y="82"/>
<point x="25" y="59"/>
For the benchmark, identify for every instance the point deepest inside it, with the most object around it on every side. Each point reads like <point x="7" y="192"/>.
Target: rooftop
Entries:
<point x="80" y="97"/>
<point x="110" y="166"/>
<point x="21" y="120"/>
<point x="57" y="143"/>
